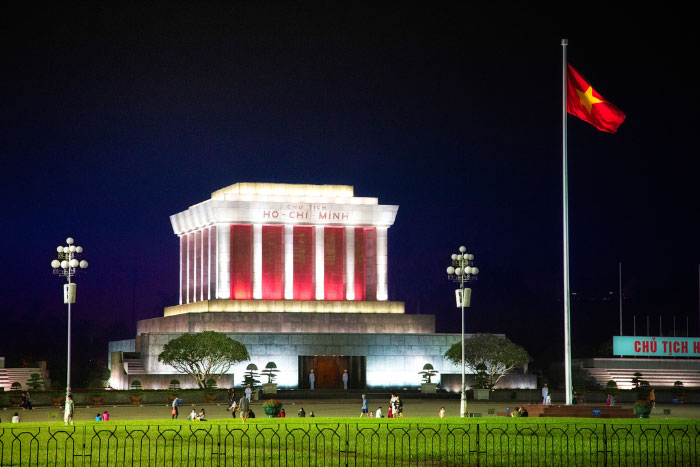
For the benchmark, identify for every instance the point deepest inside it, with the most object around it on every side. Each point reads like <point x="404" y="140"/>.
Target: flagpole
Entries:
<point x="565" y="190"/>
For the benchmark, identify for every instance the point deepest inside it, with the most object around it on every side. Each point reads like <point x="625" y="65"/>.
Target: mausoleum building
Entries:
<point x="298" y="273"/>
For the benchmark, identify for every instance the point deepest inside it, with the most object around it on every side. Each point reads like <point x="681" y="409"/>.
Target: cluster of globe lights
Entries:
<point x="67" y="260"/>
<point x="463" y="262"/>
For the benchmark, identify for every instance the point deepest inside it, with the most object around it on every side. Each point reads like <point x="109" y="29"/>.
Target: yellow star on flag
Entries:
<point x="587" y="98"/>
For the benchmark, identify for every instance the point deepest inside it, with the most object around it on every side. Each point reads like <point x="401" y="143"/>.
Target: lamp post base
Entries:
<point x="463" y="405"/>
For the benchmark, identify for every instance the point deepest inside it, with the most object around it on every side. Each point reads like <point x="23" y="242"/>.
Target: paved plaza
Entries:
<point x="413" y="408"/>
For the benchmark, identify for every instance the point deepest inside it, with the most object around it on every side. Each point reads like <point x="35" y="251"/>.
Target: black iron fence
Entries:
<point x="355" y="444"/>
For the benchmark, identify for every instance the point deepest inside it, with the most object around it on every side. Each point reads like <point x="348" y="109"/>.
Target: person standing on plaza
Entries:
<point x="441" y="413"/>
<point x="312" y="380"/>
<point x="244" y="407"/>
<point x="69" y="410"/>
<point x="390" y="413"/>
<point x="248" y="392"/>
<point x="346" y="377"/>
<point x="365" y="407"/>
<point x="545" y="394"/>
<point x="652" y="398"/>
<point x="398" y="408"/>
<point x="175" y="411"/>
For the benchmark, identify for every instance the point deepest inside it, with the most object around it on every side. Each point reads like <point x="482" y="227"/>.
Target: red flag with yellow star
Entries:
<point x="584" y="102"/>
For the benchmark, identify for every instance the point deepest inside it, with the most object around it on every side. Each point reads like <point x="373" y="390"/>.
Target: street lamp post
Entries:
<point x="462" y="271"/>
<point x="66" y="265"/>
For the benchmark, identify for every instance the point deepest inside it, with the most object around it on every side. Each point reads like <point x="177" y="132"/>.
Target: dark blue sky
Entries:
<point x="115" y="118"/>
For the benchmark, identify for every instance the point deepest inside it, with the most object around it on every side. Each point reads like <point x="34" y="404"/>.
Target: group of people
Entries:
<point x="102" y="417"/>
<point x="395" y="408"/>
<point x="519" y="412"/>
<point x="27" y="401"/>
<point x="197" y="417"/>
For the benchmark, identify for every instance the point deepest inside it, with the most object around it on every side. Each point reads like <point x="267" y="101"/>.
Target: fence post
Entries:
<point x="478" y="446"/>
<point x="347" y="443"/>
<point x="605" y="445"/>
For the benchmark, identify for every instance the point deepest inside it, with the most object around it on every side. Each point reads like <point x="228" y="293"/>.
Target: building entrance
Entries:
<point x="329" y="371"/>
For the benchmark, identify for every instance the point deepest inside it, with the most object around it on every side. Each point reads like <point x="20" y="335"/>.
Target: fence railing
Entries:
<point x="354" y="444"/>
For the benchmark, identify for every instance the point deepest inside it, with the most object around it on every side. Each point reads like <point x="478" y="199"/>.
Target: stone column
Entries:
<point x="320" y="261"/>
<point x="289" y="262"/>
<point x="257" y="261"/>
<point x="223" y="261"/>
<point x="382" y="280"/>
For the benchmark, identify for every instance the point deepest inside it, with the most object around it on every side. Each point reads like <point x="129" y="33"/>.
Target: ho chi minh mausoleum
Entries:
<point x="298" y="273"/>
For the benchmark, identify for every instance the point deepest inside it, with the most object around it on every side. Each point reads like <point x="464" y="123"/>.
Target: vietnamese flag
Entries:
<point x="584" y="102"/>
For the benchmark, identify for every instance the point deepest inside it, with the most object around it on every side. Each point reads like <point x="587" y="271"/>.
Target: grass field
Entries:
<point x="351" y="441"/>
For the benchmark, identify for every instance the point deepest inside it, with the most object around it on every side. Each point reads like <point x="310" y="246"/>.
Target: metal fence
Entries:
<point x="355" y="444"/>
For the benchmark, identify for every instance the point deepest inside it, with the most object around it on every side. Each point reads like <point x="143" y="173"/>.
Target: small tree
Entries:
<point x="499" y="355"/>
<point x="16" y="386"/>
<point x="35" y="382"/>
<point x="251" y="375"/>
<point x="270" y="370"/>
<point x="611" y="388"/>
<point x="428" y="372"/>
<point x="174" y="384"/>
<point x="637" y="380"/>
<point x="204" y="355"/>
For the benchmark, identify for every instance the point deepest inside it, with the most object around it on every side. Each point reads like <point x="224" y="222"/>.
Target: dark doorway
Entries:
<point x="329" y="371"/>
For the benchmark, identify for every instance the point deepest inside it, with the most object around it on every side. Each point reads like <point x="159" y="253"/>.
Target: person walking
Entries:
<point x="175" y="411"/>
<point x="69" y="410"/>
<point x="244" y="407"/>
<point x="652" y="398"/>
<point x="398" y="408"/>
<point x="346" y="377"/>
<point x="248" y="392"/>
<point x="365" y="407"/>
<point x="312" y="380"/>
<point x="233" y="408"/>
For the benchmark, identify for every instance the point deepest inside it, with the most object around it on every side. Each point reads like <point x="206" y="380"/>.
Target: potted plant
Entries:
<point x="642" y="408"/>
<point x="678" y="392"/>
<point x="482" y="390"/>
<point x="16" y="394"/>
<point x="272" y="407"/>
<point x="35" y="382"/>
<point x="210" y="395"/>
<point x="427" y="386"/>
<point x="97" y="397"/>
<point x="58" y="398"/>
<point x="270" y="369"/>
<point x="173" y="390"/>
<point x="136" y="392"/>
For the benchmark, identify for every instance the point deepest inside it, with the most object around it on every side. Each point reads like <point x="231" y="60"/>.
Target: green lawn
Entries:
<point x="335" y="441"/>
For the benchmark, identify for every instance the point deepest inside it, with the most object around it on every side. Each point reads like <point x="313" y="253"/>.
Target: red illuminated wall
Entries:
<point x="273" y="262"/>
<point x="304" y="260"/>
<point x="242" y="261"/>
<point x="365" y="263"/>
<point x="334" y="263"/>
<point x="359" y="263"/>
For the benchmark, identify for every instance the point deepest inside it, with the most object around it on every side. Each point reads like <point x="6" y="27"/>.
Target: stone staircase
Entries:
<point x="134" y="366"/>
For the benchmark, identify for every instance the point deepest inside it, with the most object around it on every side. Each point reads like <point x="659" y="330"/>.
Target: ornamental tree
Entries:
<point x="203" y="355"/>
<point x="494" y="356"/>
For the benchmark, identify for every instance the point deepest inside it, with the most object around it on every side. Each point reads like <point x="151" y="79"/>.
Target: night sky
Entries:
<point x="114" y="118"/>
